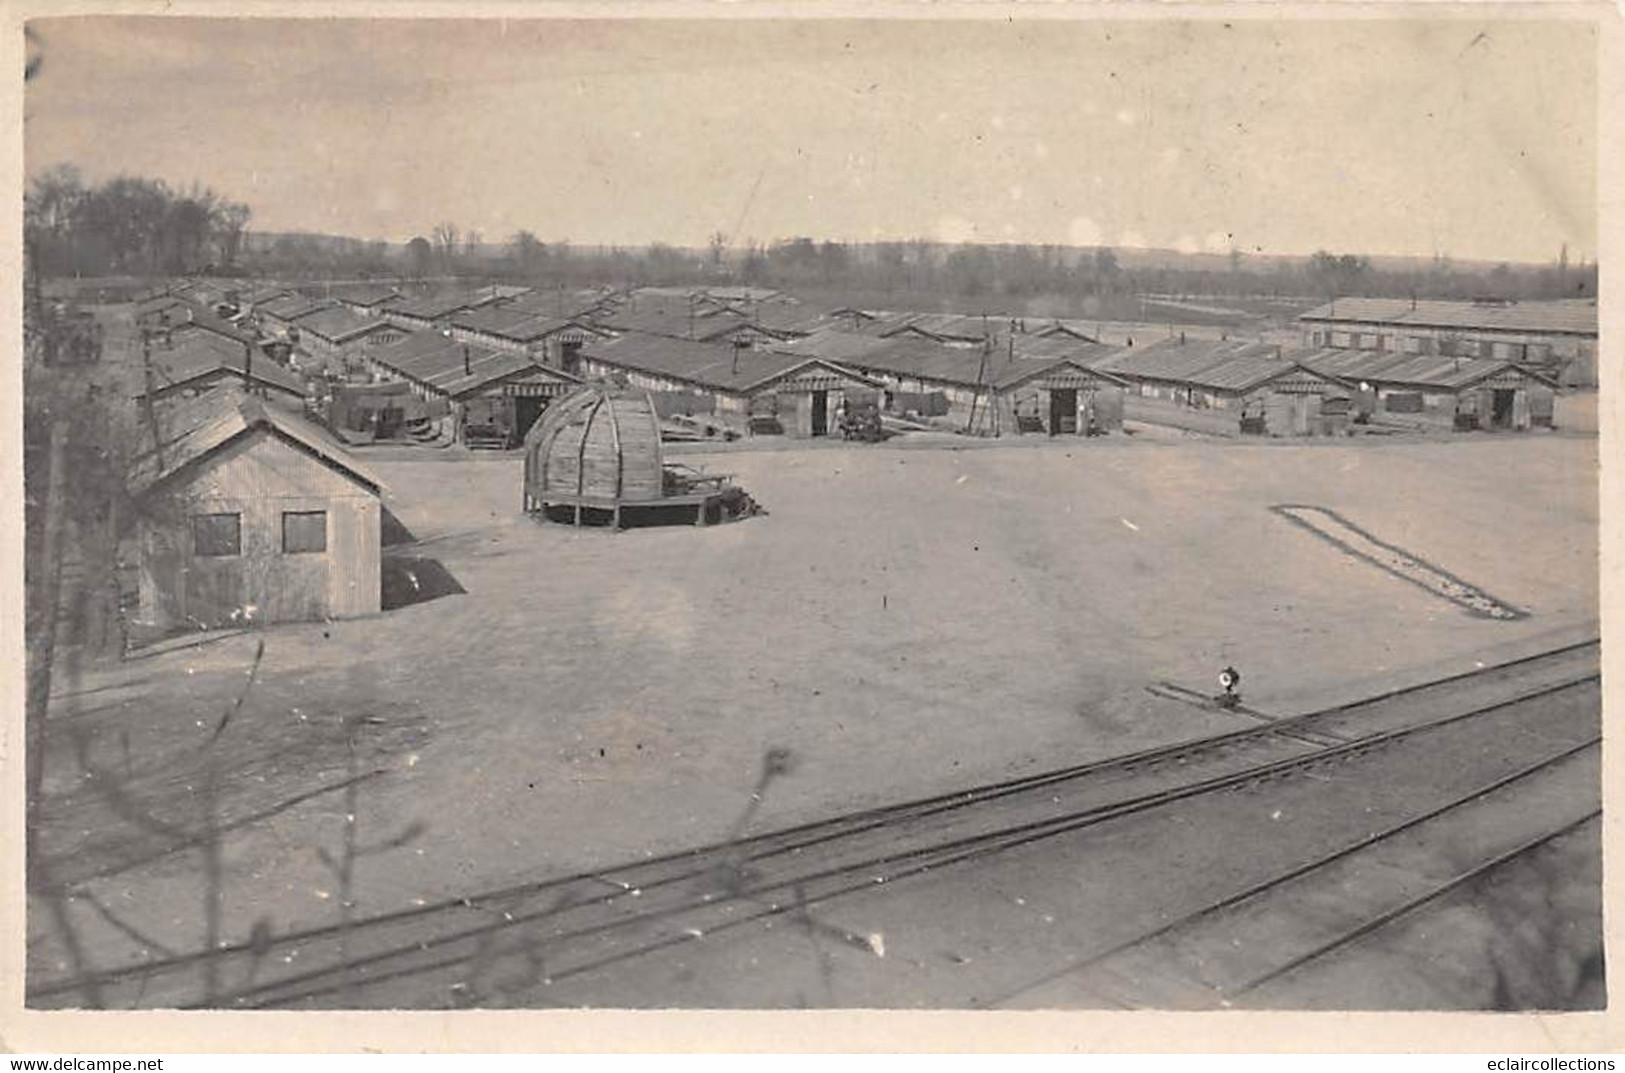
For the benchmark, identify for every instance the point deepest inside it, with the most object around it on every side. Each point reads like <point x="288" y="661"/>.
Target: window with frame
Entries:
<point x="304" y="531"/>
<point x="217" y="535"/>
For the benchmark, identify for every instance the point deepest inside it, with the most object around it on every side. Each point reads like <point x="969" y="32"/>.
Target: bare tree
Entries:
<point x="447" y="236"/>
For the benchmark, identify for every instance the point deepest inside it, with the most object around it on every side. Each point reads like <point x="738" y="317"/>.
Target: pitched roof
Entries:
<point x="293" y="306"/>
<point x="558" y="303"/>
<point x="200" y="355"/>
<point x="192" y="429"/>
<point x="516" y="324"/>
<point x="261" y="293"/>
<point x="718" y="366"/>
<point x="202" y="292"/>
<point x="833" y="344"/>
<point x="677" y="320"/>
<point x="432" y="307"/>
<point x="1009" y="374"/>
<point x="1410" y="370"/>
<point x="187" y="314"/>
<point x="150" y="306"/>
<point x="1063" y="345"/>
<point x="1075" y="329"/>
<point x="928" y="359"/>
<point x="1567" y="318"/>
<point x="501" y="292"/>
<point x="746" y="294"/>
<point x="339" y="324"/>
<point x="958" y="326"/>
<point x="1173" y="360"/>
<point x="365" y="294"/>
<point x="448" y="367"/>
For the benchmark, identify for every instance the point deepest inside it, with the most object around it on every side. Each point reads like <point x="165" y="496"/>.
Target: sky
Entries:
<point x="1474" y="138"/>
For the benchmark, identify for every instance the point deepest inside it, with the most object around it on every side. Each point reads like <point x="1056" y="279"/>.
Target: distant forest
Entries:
<point x="137" y="226"/>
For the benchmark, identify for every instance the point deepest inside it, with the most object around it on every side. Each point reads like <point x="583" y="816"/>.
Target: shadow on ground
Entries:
<point x="416" y="579"/>
<point x="392" y="532"/>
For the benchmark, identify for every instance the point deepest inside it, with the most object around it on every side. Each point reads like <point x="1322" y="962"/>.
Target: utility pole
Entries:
<point x="42" y="642"/>
<point x="151" y="411"/>
<point x="981" y="372"/>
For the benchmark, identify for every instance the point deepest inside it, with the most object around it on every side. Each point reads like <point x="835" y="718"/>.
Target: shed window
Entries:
<point x="304" y="531"/>
<point x="217" y="534"/>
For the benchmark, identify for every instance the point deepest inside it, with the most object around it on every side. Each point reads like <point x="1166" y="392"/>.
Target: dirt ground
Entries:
<point x="902" y="621"/>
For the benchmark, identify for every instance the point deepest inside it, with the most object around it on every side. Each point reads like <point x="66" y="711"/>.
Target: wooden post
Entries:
<point x="42" y="643"/>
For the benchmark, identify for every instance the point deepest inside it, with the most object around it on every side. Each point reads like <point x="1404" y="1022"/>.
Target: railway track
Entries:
<point x="573" y="926"/>
<point x="1222" y="953"/>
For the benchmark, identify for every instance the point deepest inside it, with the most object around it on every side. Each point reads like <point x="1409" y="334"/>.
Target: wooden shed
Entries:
<point x="251" y="516"/>
<point x="204" y="362"/>
<point x="1061" y="397"/>
<point x="765" y="390"/>
<point x="491" y="397"/>
<point x="1463" y="393"/>
<point x="595" y="455"/>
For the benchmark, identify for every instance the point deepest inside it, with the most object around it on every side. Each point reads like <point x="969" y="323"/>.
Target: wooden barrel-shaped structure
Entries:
<point x="597" y="448"/>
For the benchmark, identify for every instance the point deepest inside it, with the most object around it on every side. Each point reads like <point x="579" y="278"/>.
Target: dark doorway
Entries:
<point x="1501" y="402"/>
<point x="526" y="409"/>
<point x="570" y="356"/>
<point x="1063" y="411"/>
<point x="820" y="413"/>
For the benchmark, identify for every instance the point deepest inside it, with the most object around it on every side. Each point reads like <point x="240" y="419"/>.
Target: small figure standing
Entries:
<point x="1230" y="680"/>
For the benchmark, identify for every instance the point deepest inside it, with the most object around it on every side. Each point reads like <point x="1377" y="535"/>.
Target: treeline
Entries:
<point x="136" y="226"/>
<point x="128" y="225"/>
<point x="1021" y="272"/>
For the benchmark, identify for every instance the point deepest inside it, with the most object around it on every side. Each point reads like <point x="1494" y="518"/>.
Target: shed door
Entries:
<point x="526" y="409"/>
<point x="1502" y="403"/>
<point x="820" y="413"/>
<point x="1063" y="411"/>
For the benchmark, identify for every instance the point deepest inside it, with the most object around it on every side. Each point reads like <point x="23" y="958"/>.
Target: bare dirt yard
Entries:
<point x="903" y="621"/>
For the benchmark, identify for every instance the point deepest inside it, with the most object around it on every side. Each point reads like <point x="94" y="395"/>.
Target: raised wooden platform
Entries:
<point x="618" y="509"/>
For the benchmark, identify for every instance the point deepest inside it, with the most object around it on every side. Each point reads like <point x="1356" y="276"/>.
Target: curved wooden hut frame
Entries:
<point x="619" y="471"/>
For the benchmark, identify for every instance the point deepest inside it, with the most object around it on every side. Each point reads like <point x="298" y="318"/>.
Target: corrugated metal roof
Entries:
<point x="519" y="325"/>
<point x="432" y="307"/>
<point x="455" y="369"/>
<point x="1568" y="318"/>
<point x="1009" y="374"/>
<point x="191" y="429"/>
<point x="956" y="326"/>
<point x="1409" y="370"/>
<point x="1224" y="365"/>
<point x="565" y="304"/>
<point x="365" y="294"/>
<point x="709" y="365"/>
<point x="293" y="306"/>
<point x="259" y="294"/>
<point x="929" y="359"/>
<point x="747" y="294"/>
<point x="199" y="355"/>
<point x="926" y="359"/>
<point x="187" y="314"/>
<point x="152" y="306"/>
<point x="1173" y="360"/>
<point x="1063" y="345"/>
<point x="339" y="324"/>
<point x="835" y="344"/>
